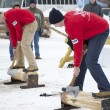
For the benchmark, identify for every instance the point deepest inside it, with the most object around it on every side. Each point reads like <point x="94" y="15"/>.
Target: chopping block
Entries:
<point x="84" y="100"/>
<point x="32" y="82"/>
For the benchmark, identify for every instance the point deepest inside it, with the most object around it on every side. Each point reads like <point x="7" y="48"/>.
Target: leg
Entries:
<point x="20" y="58"/>
<point x="27" y="37"/>
<point x="32" y="45"/>
<point x="95" y="47"/>
<point x="36" y="44"/>
<point x="11" y="50"/>
<point x="10" y="46"/>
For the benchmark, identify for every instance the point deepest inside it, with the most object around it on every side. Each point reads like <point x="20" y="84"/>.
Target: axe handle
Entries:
<point x="56" y="30"/>
<point x="74" y="77"/>
<point x="15" y="56"/>
<point x="13" y="62"/>
<point x="72" y="81"/>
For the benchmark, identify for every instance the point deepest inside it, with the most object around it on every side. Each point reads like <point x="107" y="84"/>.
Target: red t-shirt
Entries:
<point x="15" y="20"/>
<point x="81" y="26"/>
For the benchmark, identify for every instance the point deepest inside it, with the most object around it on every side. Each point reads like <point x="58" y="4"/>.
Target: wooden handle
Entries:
<point x="56" y="30"/>
<point x="14" y="59"/>
<point x="72" y="81"/>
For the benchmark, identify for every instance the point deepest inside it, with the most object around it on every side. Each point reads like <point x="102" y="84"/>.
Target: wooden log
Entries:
<point x="2" y="26"/>
<point x="85" y="100"/>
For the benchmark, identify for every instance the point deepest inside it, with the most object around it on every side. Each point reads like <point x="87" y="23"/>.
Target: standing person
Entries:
<point x="94" y="8"/>
<point x="40" y="20"/>
<point x="22" y="26"/>
<point x="10" y="46"/>
<point x="84" y="27"/>
<point x="15" y="5"/>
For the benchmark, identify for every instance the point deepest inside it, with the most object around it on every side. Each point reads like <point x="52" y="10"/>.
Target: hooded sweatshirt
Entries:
<point x="82" y="26"/>
<point x="15" y="20"/>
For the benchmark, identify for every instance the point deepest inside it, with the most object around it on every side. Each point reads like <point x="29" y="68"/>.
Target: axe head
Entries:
<point x="73" y="90"/>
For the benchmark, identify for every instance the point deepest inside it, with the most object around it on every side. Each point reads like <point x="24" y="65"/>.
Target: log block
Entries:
<point x="85" y="100"/>
<point x="32" y="82"/>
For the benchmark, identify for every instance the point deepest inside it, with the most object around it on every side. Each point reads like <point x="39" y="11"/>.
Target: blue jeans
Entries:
<point x="36" y="43"/>
<point x="11" y="50"/>
<point x="90" y="62"/>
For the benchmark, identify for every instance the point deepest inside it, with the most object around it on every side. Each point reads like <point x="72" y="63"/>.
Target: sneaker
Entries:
<point x="38" y="57"/>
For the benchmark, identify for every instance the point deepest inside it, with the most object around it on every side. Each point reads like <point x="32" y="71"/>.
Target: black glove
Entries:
<point x="40" y="32"/>
<point x="7" y="33"/>
<point x="70" y="43"/>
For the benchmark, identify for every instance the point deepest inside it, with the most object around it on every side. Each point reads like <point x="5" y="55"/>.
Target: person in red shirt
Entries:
<point x="14" y="5"/>
<point x="88" y="33"/>
<point x="22" y="26"/>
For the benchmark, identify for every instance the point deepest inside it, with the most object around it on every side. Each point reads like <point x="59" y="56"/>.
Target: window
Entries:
<point x="44" y="1"/>
<point x="58" y="1"/>
<point x="8" y="3"/>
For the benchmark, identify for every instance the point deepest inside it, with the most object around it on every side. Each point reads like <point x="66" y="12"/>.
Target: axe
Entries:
<point x="71" y="89"/>
<point x="17" y="74"/>
<point x="15" y="53"/>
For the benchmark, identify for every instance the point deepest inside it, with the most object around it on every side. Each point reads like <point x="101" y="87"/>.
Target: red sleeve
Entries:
<point x="12" y="34"/>
<point x="18" y="29"/>
<point x="78" y="45"/>
<point x="78" y="51"/>
<point x="76" y="35"/>
<point x="10" y="18"/>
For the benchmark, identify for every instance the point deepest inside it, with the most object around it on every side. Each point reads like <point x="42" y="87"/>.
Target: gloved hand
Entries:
<point x="40" y="32"/>
<point x="76" y="71"/>
<point x="70" y="43"/>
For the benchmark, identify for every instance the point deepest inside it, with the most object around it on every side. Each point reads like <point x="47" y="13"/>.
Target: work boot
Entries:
<point x="16" y="81"/>
<point x="38" y="57"/>
<point x="30" y="69"/>
<point x="105" y="94"/>
<point x="64" y="89"/>
<point x="17" y="67"/>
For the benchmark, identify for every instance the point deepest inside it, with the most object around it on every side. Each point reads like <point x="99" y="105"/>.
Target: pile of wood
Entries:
<point x="3" y="31"/>
<point x="46" y="32"/>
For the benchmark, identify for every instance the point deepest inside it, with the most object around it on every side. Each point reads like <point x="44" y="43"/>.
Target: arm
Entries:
<point x="14" y="26"/>
<point x="77" y="41"/>
<point x="18" y="29"/>
<point x="12" y="35"/>
<point x="101" y="13"/>
<point x="42" y="20"/>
